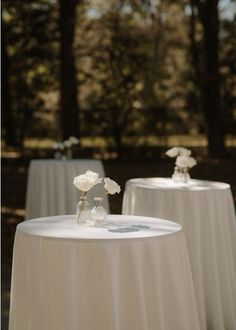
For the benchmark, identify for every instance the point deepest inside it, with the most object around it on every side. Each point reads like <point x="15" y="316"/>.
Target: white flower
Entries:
<point x="67" y="143"/>
<point x="111" y="186"/>
<point x="61" y="146"/>
<point x="173" y="152"/>
<point x="55" y="146"/>
<point x="192" y="162"/>
<point x="184" y="151"/>
<point x="178" y="151"/>
<point x="185" y="162"/>
<point x="86" y="181"/>
<point x="93" y="176"/>
<point x="58" y="146"/>
<point x="73" y="140"/>
<point x="83" y="183"/>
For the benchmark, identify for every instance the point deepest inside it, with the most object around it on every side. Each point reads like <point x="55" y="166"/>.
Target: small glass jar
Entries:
<point x="177" y="175"/>
<point x="83" y="210"/>
<point x="57" y="154"/>
<point x="98" y="212"/>
<point x="186" y="176"/>
<point x="181" y="175"/>
<point x="69" y="153"/>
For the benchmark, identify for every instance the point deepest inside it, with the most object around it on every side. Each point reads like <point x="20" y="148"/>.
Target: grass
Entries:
<point x="100" y="142"/>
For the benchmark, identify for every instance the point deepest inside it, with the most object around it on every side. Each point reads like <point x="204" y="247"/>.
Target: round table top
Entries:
<point x="53" y="160"/>
<point x="168" y="183"/>
<point x="116" y="227"/>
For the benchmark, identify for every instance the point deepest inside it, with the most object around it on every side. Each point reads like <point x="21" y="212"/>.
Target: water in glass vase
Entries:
<point x="69" y="153"/>
<point x="83" y="210"/>
<point x="98" y="212"/>
<point x="181" y="175"/>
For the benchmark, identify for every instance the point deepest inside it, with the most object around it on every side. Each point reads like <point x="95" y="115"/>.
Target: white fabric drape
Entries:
<point x="206" y="212"/>
<point x="50" y="189"/>
<point x="131" y="274"/>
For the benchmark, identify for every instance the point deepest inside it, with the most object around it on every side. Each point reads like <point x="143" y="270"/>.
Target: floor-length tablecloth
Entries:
<point x="50" y="189"/>
<point x="131" y="274"/>
<point x="205" y="209"/>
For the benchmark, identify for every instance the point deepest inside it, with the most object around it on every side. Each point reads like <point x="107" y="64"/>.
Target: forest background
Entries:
<point x="119" y="74"/>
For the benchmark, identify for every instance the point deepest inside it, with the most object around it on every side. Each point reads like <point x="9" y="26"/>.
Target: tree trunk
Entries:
<point x="195" y="58"/>
<point x="117" y="130"/>
<point x="7" y="111"/>
<point x="210" y="84"/>
<point x="69" y="103"/>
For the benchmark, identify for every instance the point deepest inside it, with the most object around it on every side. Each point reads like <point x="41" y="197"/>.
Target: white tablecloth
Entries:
<point x="50" y="189"/>
<point x="205" y="209"/>
<point x="131" y="274"/>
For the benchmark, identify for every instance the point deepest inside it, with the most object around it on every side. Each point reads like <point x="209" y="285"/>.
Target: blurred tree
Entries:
<point x="123" y="72"/>
<point x="228" y="73"/>
<point x="130" y="71"/>
<point x="29" y="47"/>
<point x="68" y="79"/>
<point x="112" y="64"/>
<point x="208" y="71"/>
<point x="7" y="114"/>
<point x="130" y="60"/>
<point x="167" y="71"/>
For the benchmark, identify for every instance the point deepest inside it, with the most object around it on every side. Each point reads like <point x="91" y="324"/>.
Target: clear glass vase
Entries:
<point x="83" y="210"/>
<point x="181" y="175"/>
<point x="176" y="177"/>
<point x="69" y="154"/>
<point x="186" y="176"/>
<point x="98" y="212"/>
<point x="57" y="155"/>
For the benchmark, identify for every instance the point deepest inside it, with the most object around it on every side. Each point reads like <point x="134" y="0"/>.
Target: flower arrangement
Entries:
<point x="85" y="182"/>
<point x="111" y="187"/>
<point x="63" y="150"/>
<point x="183" y="163"/>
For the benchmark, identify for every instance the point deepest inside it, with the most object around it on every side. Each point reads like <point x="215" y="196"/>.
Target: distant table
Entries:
<point x="205" y="209"/>
<point x="133" y="273"/>
<point x="50" y="189"/>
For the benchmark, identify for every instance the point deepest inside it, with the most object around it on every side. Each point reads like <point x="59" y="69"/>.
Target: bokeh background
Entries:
<point x="129" y="78"/>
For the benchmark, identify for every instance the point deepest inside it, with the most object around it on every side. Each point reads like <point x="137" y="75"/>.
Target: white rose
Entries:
<point x="55" y="146"/>
<point x="184" y="151"/>
<point x="192" y="162"/>
<point x="111" y="186"/>
<point x="173" y="152"/>
<point x="93" y="177"/>
<point x="61" y="146"/>
<point x="82" y="183"/>
<point x="86" y="181"/>
<point x="73" y="140"/>
<point x="67" y="143"/>
<point x="185" y="162"/>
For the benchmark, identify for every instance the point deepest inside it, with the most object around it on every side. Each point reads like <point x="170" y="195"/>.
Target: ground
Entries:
<point x="14" y="182"/>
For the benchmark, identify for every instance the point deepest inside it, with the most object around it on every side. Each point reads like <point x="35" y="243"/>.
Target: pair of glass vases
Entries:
<point x="94" y="217"/>
<point x="181" y="175"/>
<point x="68" y="154"/>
